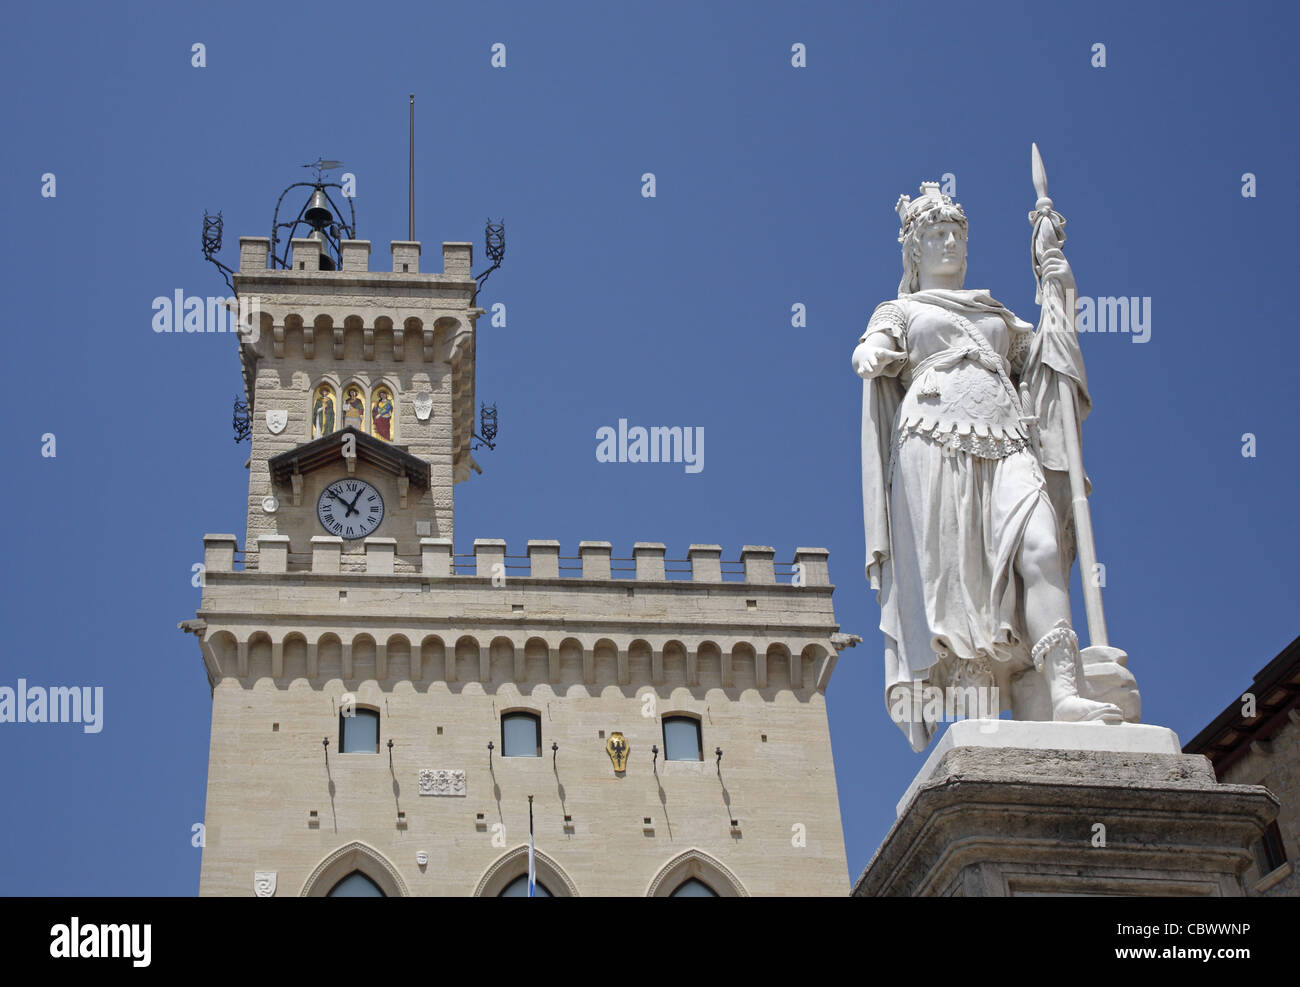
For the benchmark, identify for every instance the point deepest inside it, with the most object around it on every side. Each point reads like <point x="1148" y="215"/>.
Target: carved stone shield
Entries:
<point x="276" y="420"/>
<point x="423" y="401"/>
<point x="264" y="883"/>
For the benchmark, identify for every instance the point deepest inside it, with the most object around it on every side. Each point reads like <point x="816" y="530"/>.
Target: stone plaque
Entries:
<point x="442" y="781"/>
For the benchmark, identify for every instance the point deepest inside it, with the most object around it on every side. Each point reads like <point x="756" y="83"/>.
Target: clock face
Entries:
<point x="350" y="508"/>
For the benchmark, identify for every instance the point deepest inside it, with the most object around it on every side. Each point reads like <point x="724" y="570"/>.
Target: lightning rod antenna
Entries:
<point x="410" y="216"/>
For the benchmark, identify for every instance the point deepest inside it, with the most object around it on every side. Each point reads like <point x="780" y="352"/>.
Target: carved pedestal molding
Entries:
<point x="991" y="816"/>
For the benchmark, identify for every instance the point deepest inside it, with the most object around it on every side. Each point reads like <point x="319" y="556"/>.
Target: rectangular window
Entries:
<point x="521" y="735"/>
<point x="682" y="739"/>
<point x="1269" y="853"/>
<point x="359" y="733"/>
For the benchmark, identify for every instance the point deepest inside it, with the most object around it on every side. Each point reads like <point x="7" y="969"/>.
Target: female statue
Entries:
<point x="964" y="549"/>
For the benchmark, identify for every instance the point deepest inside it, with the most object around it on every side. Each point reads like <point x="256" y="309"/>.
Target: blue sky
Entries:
<point x="775" y="185"/>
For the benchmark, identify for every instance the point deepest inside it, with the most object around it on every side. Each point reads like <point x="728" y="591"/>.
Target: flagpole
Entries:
<point x="532" y="864"/>
<point x="410" y="200"/>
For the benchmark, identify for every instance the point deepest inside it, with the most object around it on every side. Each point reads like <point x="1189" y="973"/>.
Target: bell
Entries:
<point x="322" y="248"/>
<point x="318" y="210"/>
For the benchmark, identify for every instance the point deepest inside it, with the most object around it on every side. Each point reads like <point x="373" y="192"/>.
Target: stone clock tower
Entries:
<point x="387" y="359"/>
<point x="387" y="714"/>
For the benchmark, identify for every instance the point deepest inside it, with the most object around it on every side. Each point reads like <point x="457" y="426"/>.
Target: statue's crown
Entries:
<point x="909" y="209"/>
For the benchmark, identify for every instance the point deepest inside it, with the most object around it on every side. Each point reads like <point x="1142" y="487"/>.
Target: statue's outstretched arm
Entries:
<point x="876" y="356"/>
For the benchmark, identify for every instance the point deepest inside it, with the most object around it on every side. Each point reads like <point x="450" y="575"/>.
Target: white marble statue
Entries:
<point x="966" y="487"/>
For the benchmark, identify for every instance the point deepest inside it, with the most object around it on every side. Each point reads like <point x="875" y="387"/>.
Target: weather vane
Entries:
<point x="322" y="165"/>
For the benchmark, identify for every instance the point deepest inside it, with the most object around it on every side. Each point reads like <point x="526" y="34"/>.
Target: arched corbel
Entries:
<point x="458" y="345"/>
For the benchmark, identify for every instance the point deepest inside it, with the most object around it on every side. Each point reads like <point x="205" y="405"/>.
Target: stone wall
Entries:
<point x="1276" y="766"/>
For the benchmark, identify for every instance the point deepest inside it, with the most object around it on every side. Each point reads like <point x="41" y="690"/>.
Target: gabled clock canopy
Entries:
<point x="328" y="450"/>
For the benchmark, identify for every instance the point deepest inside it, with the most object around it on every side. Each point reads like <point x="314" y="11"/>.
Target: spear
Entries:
<point x="1057" y="316"/>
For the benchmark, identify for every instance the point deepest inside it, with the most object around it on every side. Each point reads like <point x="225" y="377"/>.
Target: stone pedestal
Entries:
<point x="1003" y="808"/>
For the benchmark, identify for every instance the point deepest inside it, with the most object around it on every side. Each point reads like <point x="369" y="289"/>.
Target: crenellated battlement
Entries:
<point x="356" y="316"/>
<point x="457" y="259"/>
<point x="542" y="559"/>
<point x="494" y="617"/>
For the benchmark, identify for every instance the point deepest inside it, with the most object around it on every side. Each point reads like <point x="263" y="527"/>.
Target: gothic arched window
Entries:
<point x="518" y="888"/>
<point x="356" y="885"/>
<point x="693" y="887"/>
